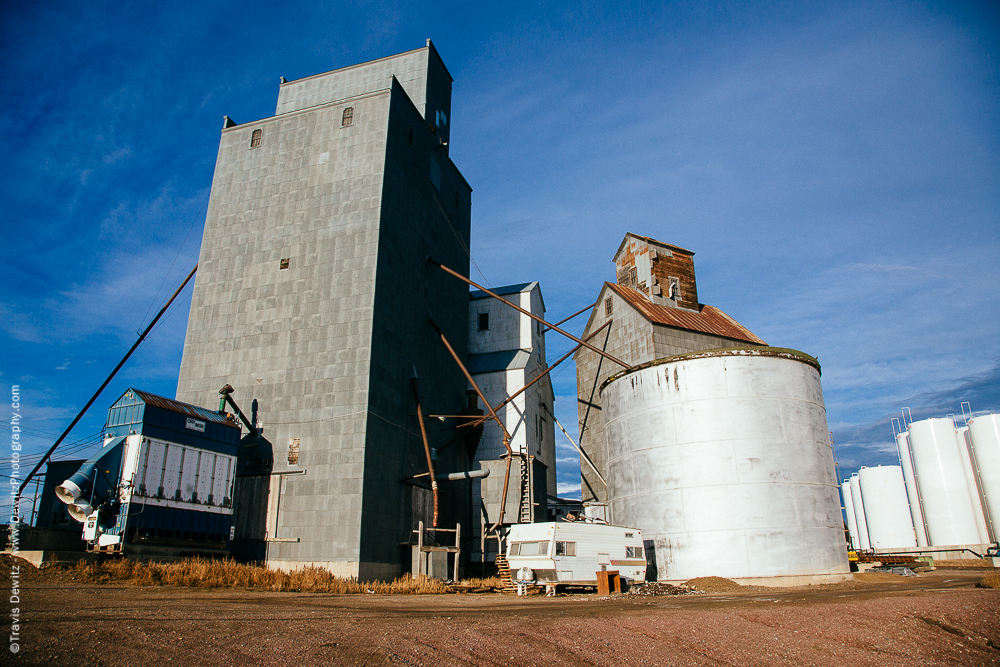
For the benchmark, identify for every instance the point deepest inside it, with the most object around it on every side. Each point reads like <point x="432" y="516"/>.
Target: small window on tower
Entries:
<point x="608" y="306"/>
<point x="484" y="321"/>
<point x="348" y="119"/>
<point x="255" y="138"/>
<point x="283" y="264"/>
<point x="633" y="277"/>
<point x="293" y="451"/>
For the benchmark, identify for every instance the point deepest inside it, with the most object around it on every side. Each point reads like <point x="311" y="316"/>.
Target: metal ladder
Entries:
<point x="525" y="513"/>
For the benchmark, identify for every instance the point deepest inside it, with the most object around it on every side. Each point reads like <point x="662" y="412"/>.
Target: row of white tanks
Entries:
<point x="945" y="492"/>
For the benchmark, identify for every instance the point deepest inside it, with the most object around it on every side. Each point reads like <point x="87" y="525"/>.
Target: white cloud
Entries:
<point x="118" y="155"/>
<point x="568" y="490"/>
<point x="20" y="326"/>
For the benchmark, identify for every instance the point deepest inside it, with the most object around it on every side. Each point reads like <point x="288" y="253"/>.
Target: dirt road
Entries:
<point x="939" y="618"/>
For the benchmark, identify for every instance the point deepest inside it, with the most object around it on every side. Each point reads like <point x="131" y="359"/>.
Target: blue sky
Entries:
<point x="834" y="166"/>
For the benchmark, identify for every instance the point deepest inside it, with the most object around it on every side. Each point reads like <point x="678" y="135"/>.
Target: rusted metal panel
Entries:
<point x="709" y="320"/>
<point x="185" y="409"/>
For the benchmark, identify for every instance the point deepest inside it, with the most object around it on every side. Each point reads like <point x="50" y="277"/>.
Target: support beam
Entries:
<point x="93" y="398"/>
<point x="579" y="451"/>
<point x="493" y="415"/>
<point x="530" y="314"/>
<point x="567" y="319"/>
<point x="427" y="447"/>
<point x="540" y="376"/>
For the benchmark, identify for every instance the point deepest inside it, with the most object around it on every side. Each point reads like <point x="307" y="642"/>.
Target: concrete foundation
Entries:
<point x="782" y="582"/>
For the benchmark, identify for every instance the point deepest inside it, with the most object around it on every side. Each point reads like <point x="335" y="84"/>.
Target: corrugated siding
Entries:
<point x="184" y="408"/>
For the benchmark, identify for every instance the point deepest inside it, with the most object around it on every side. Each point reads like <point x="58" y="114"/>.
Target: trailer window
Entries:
<point x="565" y="548"/>
<point x="633" y="552"/>
<point x="529" y="548"/>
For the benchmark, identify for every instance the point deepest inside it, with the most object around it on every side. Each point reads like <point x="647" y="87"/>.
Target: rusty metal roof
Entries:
<point x="184" y="408"/>
<point x="709" y="319"/>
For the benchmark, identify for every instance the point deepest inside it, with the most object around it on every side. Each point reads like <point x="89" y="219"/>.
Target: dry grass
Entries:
<point x="205" y="573"/>
<point x="991" y="580"/>
<point x="478" y="582"/>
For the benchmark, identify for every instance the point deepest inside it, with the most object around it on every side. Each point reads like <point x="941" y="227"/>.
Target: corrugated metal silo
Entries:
<point x="940" y="474"/>
<point x="984" y="434"/>
<point x="887" y="511"/>
<point x="724" y="461"/>
<point x="912" y="495"/>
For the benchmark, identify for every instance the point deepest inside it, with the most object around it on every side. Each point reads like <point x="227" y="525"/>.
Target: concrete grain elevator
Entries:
<point x="313" y="300"/>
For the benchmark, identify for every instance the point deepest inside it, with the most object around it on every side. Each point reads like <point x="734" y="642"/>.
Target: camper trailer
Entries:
<point x="571" y="553"/>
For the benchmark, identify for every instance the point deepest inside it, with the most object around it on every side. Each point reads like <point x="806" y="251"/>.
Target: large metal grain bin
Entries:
<point x="724" y="461"/>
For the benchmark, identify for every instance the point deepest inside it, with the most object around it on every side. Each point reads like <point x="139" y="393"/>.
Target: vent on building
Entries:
<point x="348" y="118"/>
<point x="255" y="138"/>
<point x="675" y="289"/>
<point x="283" y="264"/>
<point x="484" y="321"/>
<point x="293" y="451"/>
<point x="609" y="306"/>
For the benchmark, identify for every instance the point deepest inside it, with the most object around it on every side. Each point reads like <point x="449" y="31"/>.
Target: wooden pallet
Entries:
<point x="503" y="571"/>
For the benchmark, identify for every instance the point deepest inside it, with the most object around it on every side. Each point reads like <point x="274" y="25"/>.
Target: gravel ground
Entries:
<point x="939" y="618"/>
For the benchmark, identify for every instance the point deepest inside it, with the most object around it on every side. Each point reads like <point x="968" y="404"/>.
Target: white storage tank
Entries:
<point x="912" y="496"/>
<point x="723" y="459"/>
<point x="941" y="482"/>
<point x="965" y="447"/>
<point x="887" y="511"/>
<point x="859" y="513"/>
<point x="852" y="522"/>
<point x="984" y="435"/>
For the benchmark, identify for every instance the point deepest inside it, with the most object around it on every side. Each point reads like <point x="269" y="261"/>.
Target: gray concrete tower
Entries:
<point x="312" y="300"/>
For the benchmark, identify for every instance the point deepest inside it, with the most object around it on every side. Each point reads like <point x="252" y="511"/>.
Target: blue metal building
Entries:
<point x="163" y="477"/>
